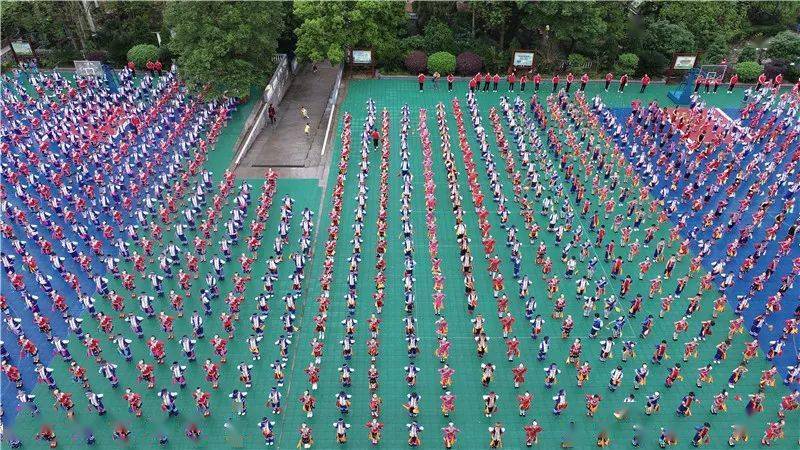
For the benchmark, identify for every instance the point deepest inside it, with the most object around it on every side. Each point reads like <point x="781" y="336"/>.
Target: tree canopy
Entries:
<point x="785" y="45"/>
<point x="220" y="41"/>
<point x="224" y="47"/>
<point x="668" y="38"/>
<point x="329" y="29"/>
<point x="708" y="20"/>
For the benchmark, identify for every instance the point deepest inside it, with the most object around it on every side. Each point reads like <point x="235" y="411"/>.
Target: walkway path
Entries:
<point x="283" y="146"/>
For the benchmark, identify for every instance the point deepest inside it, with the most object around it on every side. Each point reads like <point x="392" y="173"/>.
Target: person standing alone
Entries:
<point x="645" y="83"/>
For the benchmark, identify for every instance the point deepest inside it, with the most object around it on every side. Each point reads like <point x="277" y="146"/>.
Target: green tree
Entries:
<point x="494" y="17"/>
<point x="225" y="47"/>
<point x="570" y="23"/>
<point x="121" y="25"/>
<point x="668" y="38"/>
<point x="329" y="29"/>
<point x="707" y="20"/>
<point x="716" y="51"/>
<point x="429" y="11"/>
<point x="785" y="45"/>
<point x="439" y="37"/>
<point x="59" y="26"/>
<point x="773" y="13"/>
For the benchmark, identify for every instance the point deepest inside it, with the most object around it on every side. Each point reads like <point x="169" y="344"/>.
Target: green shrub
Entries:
<point x="652" y="63"/>
<point x="627" y="63"/>
<point x="577" y="62"/>
<point x="749" y="70"/>
<point x="748" y="53"/>
<point x="165" y="56"/>
<point x="141" y="53"/>
<point x="442" y="62"/>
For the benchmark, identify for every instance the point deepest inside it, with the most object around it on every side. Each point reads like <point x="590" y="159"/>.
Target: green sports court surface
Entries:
<point x="224" y="429"/>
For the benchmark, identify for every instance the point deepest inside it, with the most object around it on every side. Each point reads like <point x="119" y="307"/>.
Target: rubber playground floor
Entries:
<point x="224" y="429"/>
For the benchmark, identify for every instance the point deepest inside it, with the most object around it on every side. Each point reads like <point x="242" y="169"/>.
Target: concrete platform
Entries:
<point x="283" y="146"/>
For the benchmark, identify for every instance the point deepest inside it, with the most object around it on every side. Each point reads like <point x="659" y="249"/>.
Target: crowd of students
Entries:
<point x="95" y="181"/>
<point x="652" y="172"/>
<point x="109" y="219"/>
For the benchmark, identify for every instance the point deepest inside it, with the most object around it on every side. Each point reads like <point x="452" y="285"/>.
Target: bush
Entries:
<point x="442" y="62"/>
<point x="780" y="66"/>
<point x="652" y="63"/>
<point x="627" y="63"/>
<point x="468" y="64"/>
<point x="577" y="62"/>
<point x="785" y="45"/>
<point x="141" y="53"/>
<point x="749" y="70"/>
<point x="416" y="62"/>
<point x="748" y="53"/>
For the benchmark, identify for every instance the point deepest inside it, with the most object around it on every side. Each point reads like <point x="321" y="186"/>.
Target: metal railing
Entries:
<point x="273" y="93"/>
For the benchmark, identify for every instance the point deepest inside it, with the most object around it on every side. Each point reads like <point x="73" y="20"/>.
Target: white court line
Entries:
<point x="722" y="113"/>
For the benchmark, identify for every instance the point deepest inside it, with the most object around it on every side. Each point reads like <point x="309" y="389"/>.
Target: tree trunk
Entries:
<point x="473" y="22"/>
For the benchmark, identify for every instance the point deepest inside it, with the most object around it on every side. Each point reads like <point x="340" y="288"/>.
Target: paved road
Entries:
<point x="283" y="146"/>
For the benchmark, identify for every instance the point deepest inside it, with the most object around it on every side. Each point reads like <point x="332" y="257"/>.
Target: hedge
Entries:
<point x="416" y="62"/>
<point x="141" y="53"/>
<point x="749" y="70"/>
<point x="627" y="63"/>
<point x="442" y="62"/>
<point x="468" y="63"/>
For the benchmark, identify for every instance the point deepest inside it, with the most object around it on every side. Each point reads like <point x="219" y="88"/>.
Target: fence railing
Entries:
<point x="273" y="93"/>
<point x="332" y="99"/>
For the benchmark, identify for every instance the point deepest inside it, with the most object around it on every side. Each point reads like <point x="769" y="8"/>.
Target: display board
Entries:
<point x="523" y="58"/>
<point x="22" y="48"/>
<point x="684" y="62"/>
<point x="361" y="57"/>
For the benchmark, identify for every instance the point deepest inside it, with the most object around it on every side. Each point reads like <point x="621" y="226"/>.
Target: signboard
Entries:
<point x="361" y="56"/>
<point x="684" y="62"/>
<point x="22" y="48"/>
<point x="523" y="59"/>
